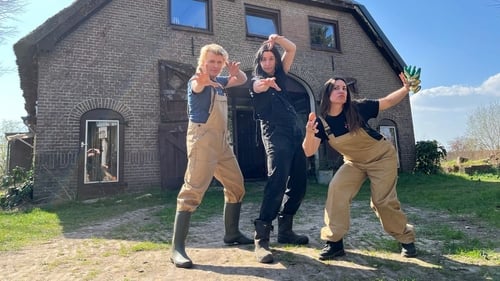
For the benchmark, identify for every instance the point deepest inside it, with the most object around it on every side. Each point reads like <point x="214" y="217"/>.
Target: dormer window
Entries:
<point x="261" y="22"/>
<point x="194" y="14"/>
<point x="324" y="34"/>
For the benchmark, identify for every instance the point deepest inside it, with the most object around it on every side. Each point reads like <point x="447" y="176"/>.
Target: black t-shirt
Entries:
<point x="272" y="105"/>
<point x="338" y="124"/>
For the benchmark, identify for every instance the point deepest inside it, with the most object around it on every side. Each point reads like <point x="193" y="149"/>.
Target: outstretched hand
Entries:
<point x="202" y="78"/>
<point x="270" y="83"/>
<point x="233" y="67"/>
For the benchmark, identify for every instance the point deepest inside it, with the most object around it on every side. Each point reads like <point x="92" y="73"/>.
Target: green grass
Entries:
<point x="20" y="228"/>
<point x="73" y="215"/>
<point x="476" y="197"/>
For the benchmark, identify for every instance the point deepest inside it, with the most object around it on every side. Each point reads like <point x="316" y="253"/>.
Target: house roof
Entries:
<point x="43" y="39"/>
<point x="46" y="36"/>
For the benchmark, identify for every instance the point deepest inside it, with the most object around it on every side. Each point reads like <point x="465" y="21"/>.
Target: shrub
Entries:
<point x="428" y="157"/>
<point x="19" y="188"/>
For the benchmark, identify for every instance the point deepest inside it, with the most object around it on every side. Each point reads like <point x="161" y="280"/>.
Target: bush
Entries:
<point x="428" y="157"/>
<point x="19" y="188"/>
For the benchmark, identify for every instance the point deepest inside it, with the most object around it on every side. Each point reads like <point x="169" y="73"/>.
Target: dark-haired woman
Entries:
<point x="342" y="122"/>
<point x="282" y="137"/>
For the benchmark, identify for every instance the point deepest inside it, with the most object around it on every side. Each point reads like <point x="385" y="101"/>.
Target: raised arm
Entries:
<point x="395" y="97"/>
<point x="236" y="76"/>
<point x="289" y="47"/>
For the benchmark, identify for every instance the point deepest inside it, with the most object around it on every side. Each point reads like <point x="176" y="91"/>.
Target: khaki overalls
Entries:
<point x="364" y="157"/>
<point x="210" y="154"/>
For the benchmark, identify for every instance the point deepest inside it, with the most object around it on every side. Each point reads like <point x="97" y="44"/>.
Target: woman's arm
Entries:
<point x="311" y="142"/>
<point x="289" y="47"/>
<point x="236" y="80"/>
<point x="236" y="75"/>
<point x="395" y="97"/>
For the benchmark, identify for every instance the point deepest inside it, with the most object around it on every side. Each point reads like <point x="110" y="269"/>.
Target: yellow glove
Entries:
<point x="412" y="74"/>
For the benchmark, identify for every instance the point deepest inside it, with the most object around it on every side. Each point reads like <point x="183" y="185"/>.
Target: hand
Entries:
<point x="270" y="83"/>
<point x="411" y="79"/>
<point x="202" y="78"/>
<point x="233" y="68"/>
<point x="272" y="40"/>
<point x="311" y="125"/>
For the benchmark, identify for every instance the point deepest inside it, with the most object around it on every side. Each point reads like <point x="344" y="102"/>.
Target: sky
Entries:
<point x="457" y="45"/>
<point x="455" y="42"/>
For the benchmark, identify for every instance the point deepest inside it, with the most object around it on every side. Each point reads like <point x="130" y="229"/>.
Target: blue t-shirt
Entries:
<point x="199" y="103"/>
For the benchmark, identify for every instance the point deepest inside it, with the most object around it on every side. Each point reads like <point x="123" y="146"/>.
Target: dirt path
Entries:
<point x="90" y="253"/>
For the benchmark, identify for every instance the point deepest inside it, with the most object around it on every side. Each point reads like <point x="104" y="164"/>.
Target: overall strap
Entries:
<point x="212" y="99"/>
<point x="328" y="131"/>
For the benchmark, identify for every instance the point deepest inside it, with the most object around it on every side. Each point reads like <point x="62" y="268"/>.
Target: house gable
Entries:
<point x="43" y="39"/>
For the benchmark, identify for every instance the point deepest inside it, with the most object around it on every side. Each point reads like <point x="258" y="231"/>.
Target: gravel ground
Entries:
<point x="91" y="253"/>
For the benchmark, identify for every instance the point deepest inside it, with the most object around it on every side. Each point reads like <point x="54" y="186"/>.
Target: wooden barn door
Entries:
<point x="172" y="129"/>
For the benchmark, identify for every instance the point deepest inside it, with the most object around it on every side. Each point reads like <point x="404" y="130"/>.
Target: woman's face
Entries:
<point x="214" y="64"/>
<point x="338" y="95"/>
<point x="268" y="62"/>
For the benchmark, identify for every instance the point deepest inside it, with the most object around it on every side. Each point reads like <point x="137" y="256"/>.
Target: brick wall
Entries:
<point x="112" y="59"/>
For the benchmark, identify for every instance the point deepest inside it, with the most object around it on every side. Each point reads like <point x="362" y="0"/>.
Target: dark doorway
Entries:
<point x="248" y="145"/>
<point x="249" y="149"/>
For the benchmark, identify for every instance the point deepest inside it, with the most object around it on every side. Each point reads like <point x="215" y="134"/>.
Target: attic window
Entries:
<point x="261" y="22"/>
<point x="324" y="34"/>
<point x="193" y="14"/>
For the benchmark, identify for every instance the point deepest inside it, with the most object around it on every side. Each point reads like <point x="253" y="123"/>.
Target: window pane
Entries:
<point x="101" y="163"/>
<point x="258" y="25"/>
<point x="192" y="13"/>
<point x="322" y="35"/>
<point x="389" y="132"/>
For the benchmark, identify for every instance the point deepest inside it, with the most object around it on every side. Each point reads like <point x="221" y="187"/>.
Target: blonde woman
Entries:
<point x="208" y="150"/>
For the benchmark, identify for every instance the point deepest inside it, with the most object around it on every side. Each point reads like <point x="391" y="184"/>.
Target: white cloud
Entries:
<point x="491" y="86"/>
<point x="441" y="113"/>
<point x="456" y="98"/>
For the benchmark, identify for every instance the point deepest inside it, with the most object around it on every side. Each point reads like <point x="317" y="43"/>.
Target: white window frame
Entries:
<point x="115" y="177"/>
<point x="389" y="132"/>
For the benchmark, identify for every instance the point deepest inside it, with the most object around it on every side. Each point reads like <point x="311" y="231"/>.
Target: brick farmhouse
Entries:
<point x="104" y="83"/>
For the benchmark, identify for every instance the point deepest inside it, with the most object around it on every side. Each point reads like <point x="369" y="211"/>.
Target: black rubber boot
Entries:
<point x="261" y="238"/>
<point x="286" y="234"/>
<point x="233" y="235"/>
<point x="331" y="250"/>
<point x="181" y="226"/>
<point x="408" y="250"/>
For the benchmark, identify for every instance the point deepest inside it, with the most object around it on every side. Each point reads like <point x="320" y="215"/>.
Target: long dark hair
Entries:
<point x="258" y="71"/>
<point x="350" y="107"/>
